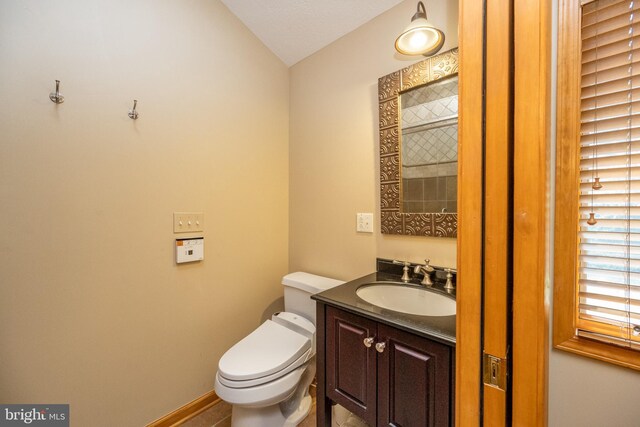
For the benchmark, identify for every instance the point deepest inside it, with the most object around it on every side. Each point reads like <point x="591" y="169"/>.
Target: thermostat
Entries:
<point x="189" y="250"/>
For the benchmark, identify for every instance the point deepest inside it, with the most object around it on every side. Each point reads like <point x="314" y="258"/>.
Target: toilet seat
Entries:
<point x="257" y="381"/>
<point x="264" y="394"/>
<point x="274" y="349"/>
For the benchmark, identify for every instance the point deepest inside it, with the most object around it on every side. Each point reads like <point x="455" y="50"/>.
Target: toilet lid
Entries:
<point x="270" y="348"/>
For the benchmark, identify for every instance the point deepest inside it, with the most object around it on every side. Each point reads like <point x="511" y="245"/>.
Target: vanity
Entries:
<point x="385" y="348"/>
<point x="388" y="367"/>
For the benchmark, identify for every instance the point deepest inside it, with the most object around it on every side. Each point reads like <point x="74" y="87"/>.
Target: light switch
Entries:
<point x="189" y="250"/>
<point x="188" y="222"/>
<point x="364" y="222"/>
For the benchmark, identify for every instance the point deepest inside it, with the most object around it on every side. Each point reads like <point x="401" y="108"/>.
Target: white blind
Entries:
<point x="609" y="250"/>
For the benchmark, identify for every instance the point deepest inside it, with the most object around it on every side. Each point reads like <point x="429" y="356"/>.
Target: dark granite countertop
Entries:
<point x="437" y="328"/>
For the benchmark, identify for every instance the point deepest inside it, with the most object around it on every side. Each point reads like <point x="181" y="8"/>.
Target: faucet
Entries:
<point x="425" y="269"/>
<point x="405" y="270"/>
<point x="449" y="285"/>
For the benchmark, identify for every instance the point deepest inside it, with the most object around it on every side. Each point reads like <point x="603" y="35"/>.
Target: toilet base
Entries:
<point x="269" y="416"/>
<point x="300" y="414"/>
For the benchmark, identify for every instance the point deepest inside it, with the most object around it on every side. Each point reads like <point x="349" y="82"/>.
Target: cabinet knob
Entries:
<point x="368" y="341"/>
<point x="380" y="347"/>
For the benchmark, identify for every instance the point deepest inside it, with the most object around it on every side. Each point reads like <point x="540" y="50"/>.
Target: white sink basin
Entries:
<point x="407" y="299"/>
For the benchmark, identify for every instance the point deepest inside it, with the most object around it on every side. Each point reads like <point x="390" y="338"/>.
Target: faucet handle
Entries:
<point x="405" y="269"/>
<point x="449" y="285"/>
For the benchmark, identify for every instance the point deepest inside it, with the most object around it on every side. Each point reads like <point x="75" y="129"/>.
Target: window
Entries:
<point x="597" y="230"/>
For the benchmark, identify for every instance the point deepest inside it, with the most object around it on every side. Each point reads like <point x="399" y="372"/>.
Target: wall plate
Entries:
<point x="188" y="222"/>
<point x="364" y="222"/>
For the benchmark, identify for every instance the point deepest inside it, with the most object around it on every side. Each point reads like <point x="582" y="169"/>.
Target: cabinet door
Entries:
<point x="413" y="380"/>
<point x="350" y="365"/>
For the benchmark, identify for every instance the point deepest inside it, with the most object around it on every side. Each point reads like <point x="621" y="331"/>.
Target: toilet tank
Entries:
<point x="298" y="288"/>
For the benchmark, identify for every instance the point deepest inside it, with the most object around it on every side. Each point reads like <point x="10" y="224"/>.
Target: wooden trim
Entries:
<point x="470" y="208"/>
<point x="187" y="411"/>
<point x="602" y="351"/>
<point x="532" y="36"/>
<point x="567" y="166"/>
<point x="498" y="200"/>
<point x="566" y="213"/>
<point x="498" y="176"/>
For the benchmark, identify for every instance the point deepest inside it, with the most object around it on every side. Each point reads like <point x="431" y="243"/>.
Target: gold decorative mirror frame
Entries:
<point x="390" y="87"/>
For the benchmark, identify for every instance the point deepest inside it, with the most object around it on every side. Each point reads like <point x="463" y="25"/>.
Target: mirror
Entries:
<point x="418" y="148"/>
<point x="429" y="147"/>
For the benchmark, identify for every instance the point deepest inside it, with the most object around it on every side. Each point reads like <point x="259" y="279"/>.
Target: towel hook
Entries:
<point x="57" y="96"/>
<point x="133" y="114"/>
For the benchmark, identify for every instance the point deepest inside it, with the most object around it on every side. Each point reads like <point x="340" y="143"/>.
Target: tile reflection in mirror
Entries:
<point x="429" y="118"/>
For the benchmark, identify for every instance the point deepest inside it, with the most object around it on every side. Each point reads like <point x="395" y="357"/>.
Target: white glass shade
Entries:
<point x="420" y="38"/>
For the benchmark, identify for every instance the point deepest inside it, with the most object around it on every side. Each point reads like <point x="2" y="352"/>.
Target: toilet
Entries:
<point x="266" y="375"/>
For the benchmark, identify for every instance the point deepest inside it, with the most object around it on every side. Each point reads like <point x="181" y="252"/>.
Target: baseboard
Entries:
<point x="187" y="411"/>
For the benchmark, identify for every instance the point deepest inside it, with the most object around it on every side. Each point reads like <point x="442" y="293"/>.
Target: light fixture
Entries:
<point x="420" y="37"/>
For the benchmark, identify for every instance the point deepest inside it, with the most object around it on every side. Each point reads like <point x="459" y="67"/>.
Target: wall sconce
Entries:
<point x="420" y="37"/>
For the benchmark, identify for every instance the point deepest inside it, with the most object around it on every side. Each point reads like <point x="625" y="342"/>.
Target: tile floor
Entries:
<point x="219" y="415"/>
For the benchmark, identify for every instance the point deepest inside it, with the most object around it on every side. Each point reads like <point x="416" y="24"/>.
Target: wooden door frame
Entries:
<point x="532" y="122"/>
<point x="470" y="214"/>
<point x="532" y="47"/>
<point x="498" y="202"/>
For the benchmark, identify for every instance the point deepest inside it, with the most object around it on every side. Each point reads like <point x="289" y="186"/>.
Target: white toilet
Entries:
<point x="266" y="376"/>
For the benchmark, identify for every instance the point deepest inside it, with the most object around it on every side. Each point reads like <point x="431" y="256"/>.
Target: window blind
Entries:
<point x="608" y="291"/>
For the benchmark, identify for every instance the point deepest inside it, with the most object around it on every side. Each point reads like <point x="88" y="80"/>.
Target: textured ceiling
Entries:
<point x="294" y="29"/>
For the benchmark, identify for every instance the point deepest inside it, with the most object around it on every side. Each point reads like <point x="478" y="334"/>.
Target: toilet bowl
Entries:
<point x="266" y="375"/>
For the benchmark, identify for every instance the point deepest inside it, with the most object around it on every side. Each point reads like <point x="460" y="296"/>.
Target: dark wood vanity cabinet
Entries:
<point x="394" y="378"/>
<point x="351" y="368"/>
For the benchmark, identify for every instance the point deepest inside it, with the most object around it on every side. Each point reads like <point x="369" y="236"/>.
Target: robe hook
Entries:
<point x="133" y="114"/>
<point x="57" y="96"/>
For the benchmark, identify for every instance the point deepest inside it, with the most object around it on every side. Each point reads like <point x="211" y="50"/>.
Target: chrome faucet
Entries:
<point x="405" y="269"/>
<point x="449" y="285"/>
<point x="425" y="269"/>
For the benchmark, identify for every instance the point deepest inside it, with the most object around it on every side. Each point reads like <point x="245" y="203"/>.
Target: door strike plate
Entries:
<point x="494" y="371"/>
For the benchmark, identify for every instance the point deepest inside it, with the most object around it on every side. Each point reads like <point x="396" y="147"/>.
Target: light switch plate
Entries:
<point x="188" y="222"/>
<point x="364" y="222"/>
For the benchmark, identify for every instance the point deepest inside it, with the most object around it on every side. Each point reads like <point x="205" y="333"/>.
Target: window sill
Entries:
<point x="610" y="353"/>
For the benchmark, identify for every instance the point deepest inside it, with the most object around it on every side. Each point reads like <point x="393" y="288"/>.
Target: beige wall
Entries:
<point x="93" y="310"/>
<point x="334" y="146"/>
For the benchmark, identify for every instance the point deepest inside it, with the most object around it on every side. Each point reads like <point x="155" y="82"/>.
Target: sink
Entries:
<point x="406" y="299"/>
